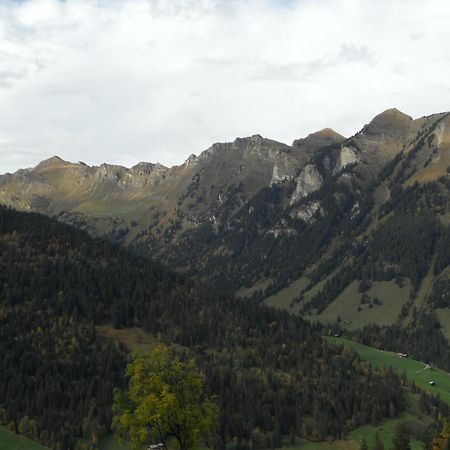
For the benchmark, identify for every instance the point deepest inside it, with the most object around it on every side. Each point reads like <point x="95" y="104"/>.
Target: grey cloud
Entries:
<point x="8" y="77"/>
<point x="278" y="72"/>
<point x="306" y="71"/>
<point x="17" y="70"/>
<point x="417" y="36"/>
<point x="350" y="53"/>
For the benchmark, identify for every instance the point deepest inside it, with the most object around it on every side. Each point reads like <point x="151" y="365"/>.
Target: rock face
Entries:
<point x="347" y="156"/>
<point x="308" y="181"/>
<point x="282" y="173"/>
<point x="307" y="212"/>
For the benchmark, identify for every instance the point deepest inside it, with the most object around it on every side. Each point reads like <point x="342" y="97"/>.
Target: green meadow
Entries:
<point x="13" y="441"/>
<point x="415" y="370"/>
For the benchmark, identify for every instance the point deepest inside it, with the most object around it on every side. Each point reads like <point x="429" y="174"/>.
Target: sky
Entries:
<point x="123" y="81"/>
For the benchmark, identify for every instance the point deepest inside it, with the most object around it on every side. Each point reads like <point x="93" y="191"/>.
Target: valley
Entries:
<point x="72" y="307"/>
<point x="224" y="225"/>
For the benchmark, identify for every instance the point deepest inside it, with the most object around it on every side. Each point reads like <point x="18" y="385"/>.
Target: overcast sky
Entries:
<point x="145" y="80"/>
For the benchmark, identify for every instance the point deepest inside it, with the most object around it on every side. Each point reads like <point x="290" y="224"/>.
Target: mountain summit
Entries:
<point x="320" y="138"/>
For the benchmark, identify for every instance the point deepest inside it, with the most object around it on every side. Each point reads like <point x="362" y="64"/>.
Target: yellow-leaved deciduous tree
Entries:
<point x="164" y="402"/>
<point x="442" y="440"/>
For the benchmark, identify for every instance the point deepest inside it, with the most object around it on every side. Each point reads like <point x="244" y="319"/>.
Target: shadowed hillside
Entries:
<point x="268" y="370"/>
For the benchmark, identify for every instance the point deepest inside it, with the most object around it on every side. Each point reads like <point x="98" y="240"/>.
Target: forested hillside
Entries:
<point x="271" y="373"/>
<point x="408" y="248"/>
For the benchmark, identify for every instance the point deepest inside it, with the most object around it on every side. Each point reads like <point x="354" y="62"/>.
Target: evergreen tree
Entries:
<point x="401" y="440"/>
<point x="377" y="444"/>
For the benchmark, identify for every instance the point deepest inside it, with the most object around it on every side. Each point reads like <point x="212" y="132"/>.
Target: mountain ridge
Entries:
<point x="254" y="211"/>
<point x="324" y="133"/>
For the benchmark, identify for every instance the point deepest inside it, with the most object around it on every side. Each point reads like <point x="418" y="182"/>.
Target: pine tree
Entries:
<point x="401" y="439"/>
<point x="377" y="444"/>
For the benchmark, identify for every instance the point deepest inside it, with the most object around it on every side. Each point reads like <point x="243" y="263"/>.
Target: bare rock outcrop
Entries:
<point x="308" y="181"/>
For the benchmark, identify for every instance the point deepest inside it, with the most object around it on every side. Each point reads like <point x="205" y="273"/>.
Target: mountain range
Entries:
<point x="354" y="230"/>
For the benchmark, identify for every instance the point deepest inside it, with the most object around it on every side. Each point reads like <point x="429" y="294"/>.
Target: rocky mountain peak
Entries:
<point x="391" y="122"/>
<point x="321" y="138"/>
<point x="256" y="138"/>
<point x="53" y="161"/>
<point x="111" y="168"/>
<point x="326" y="134"/>
<point x="254" y="146"/>
<point x="109" y="172"/>
<point x="394" y="113"/>
<point x="143" y="168"/>
<point x="190" y="160"/>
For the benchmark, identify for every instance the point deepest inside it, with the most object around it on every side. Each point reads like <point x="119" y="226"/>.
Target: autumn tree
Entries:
<point x="442" y="440"/>
<point x="164" y="402"/>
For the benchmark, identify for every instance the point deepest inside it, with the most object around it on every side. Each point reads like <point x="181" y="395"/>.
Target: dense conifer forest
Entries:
<point x="408" y="242"/>
<point x="270" y="373"/>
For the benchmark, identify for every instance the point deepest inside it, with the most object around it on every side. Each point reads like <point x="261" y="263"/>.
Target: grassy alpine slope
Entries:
<point x="415" y="371"/>
<point x="14" y="441"/>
